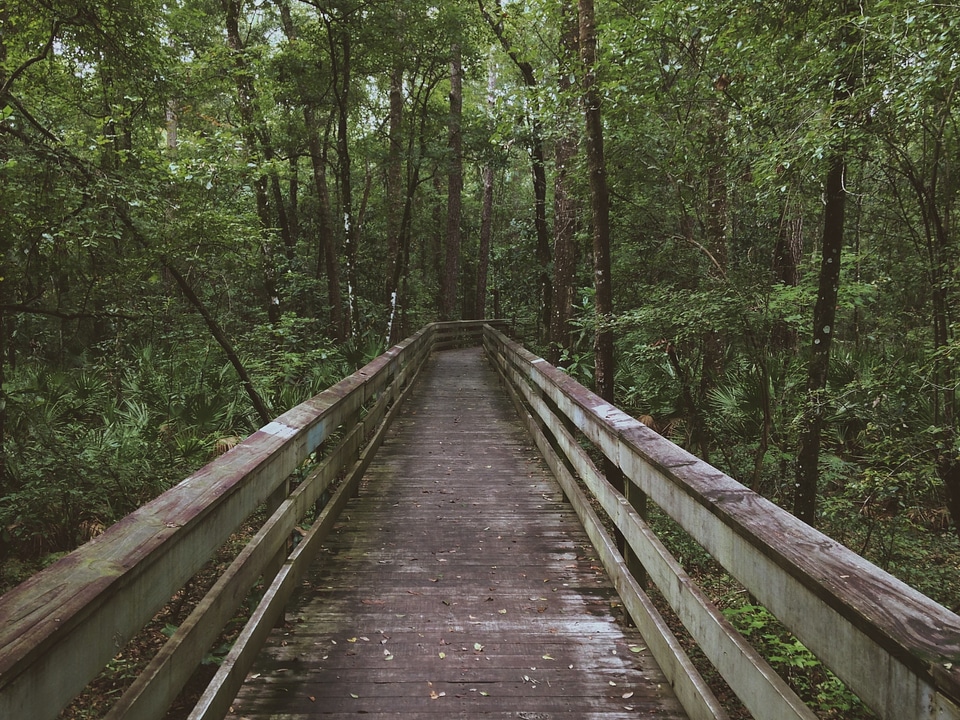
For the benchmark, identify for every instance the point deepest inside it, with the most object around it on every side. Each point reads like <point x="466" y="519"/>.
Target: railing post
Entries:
<point x="638" y="501"/>
<point x="276" y="563"/>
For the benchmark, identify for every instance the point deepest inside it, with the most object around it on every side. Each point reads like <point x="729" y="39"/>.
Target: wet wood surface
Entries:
<point x="457" y="584"/>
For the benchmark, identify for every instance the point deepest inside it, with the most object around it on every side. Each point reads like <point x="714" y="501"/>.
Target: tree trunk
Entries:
<point x="483" y="254"/>
<point x="486" y="214"/>
<point x="293" y="203"/>
<point x="395" y="204"/>
<point x="565" y="207"/>
<point x="4" y="488"/>
<point x="451" y="270"/>
<point x="326" y="243"/>
<point x="599" y="202"/>
<point x="341" y="90"/>
<point x="224" y="342"/>
<point x="824" y="314"/>
<point x="935" y="206"/>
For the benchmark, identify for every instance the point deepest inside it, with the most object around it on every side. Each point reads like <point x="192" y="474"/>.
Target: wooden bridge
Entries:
<point x="458" y="564"/>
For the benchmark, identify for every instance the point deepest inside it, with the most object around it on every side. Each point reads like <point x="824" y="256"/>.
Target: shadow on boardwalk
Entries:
<point x="459" y="584"/>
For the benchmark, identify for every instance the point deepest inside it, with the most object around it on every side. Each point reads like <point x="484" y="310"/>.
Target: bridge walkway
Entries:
<point x="458" y="584"/>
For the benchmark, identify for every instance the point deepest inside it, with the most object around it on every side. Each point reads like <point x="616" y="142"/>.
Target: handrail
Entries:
<point x="894" y="647"/>
<point x="62" y="626"/>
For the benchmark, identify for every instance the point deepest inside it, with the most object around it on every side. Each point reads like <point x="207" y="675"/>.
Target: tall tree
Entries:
<point x="486" y="212"/>
<point x="825" y="310"/>
<point x="565" y="206"/>
<point x="599" y="203"/>
<point x="395" y="204"/>
<point x="451" y="270"/>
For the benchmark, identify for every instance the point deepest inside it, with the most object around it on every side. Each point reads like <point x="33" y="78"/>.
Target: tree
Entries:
<point x="599" y="203"/>
<point x="824" y="312"/>
<point x="451" y="272"/>
<point x="565" y="205"/>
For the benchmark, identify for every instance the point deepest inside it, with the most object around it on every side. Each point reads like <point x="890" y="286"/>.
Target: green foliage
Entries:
<point x="814" y="683"/>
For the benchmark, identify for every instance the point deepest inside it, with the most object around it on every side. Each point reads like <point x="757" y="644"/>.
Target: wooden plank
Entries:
<point x="425" y="580"/>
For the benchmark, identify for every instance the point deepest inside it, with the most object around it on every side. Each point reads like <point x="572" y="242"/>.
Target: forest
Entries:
<point x="735" y="219"/>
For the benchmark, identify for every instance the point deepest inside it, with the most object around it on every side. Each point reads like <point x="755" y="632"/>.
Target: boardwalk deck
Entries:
<point x="459" y="584"/>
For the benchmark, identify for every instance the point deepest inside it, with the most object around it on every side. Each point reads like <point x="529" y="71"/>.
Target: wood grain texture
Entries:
<point x="459" y="583"/>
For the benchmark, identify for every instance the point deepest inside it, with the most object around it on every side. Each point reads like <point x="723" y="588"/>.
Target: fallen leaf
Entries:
<point x="351" y="639"/>
<point x="355" y="697"/>
<point x="637" y="648"/>
<point x="502" y="612"/>
<point x="485" y="694"/>
<point x="478" y="647"/>
<point x="627" y="695"/>
<point x="547" y="657"/>
<point x="442" y="655"/>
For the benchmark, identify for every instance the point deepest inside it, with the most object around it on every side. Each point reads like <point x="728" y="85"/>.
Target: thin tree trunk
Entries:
<point x="326" y="243"/>
<point x="454" y="189"/>
<point x="936" y="211"/>
<point x="293" y="204"/>
<point x="3" y="393"/>
<point x="716" y="235"/>
<point x="483" y="254"/>
<point x="222" y="340"/>
<point x="565" y="209"/>
<point x="341" y="71"/>
<point x="599" y="202"/>
<point x="395" y="202"/>
<point x="486" y="214"/>
<point x="824" y="314"/>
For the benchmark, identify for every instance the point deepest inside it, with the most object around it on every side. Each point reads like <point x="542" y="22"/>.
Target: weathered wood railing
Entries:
<point x="59" y="629"/>
<point x="894" y="647"/>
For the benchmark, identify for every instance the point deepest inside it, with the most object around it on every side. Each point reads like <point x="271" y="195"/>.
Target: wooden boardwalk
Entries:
<point x="458" y="584"/>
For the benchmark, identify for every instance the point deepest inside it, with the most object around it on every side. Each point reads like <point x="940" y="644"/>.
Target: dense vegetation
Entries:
<point x="214" y="208"/>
